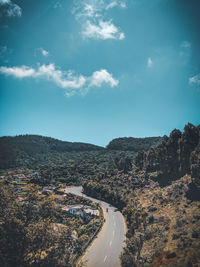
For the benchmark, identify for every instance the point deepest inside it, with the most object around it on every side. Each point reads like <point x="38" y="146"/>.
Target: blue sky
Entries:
<point x="93" y="70"/>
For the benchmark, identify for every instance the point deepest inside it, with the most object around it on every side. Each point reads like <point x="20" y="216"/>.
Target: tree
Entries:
<point x="28" y="234"/>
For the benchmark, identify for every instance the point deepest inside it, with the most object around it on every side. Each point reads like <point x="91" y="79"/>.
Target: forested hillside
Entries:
<point x="32" y="144"/>
<point x="32" y="151"/>
<point x="27" y="150"/>
<point x="134" y="144"/>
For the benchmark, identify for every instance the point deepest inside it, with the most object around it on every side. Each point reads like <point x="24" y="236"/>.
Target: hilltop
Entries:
<point x="32" y="144"/>
<point x="134" y="144"/>
<point x="27" y="150"/>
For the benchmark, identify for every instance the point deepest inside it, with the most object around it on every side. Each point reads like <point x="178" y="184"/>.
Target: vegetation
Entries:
<point x="134" y="144"/>
<point x="27" y="150"/>
<point x="33" y="151"/>
<point x="36" y="231"/>
<point x="157" y="190"/>
<point x="104" y="193"/>
<point x="27" y="234"/>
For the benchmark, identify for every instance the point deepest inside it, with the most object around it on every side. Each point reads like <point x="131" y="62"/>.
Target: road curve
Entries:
<point x="106" y="249"/>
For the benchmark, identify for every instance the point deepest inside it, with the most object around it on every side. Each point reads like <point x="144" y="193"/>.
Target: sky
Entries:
<point x="94" y="70"/>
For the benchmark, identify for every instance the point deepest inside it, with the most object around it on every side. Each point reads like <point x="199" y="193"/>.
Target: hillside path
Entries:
<point x="105" y="250"/>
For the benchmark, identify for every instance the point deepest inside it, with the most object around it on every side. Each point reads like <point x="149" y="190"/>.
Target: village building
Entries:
<point x="82" y="211"/>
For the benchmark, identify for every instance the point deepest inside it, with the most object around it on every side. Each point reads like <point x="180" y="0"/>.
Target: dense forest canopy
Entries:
<point x="134" y="144"/>
<point x="33" y="150"/>
<point x="31" y="144"/>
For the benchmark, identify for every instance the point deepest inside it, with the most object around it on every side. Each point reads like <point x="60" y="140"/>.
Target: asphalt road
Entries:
<point x="105" y="250"/>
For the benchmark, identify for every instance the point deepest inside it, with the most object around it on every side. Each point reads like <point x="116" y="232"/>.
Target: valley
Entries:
<point x="156" y="191"/>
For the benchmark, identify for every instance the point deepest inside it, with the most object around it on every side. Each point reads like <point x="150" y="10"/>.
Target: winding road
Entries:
<point x="105" y="250"/>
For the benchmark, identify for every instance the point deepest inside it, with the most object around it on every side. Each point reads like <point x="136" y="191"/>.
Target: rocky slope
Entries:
<point x="164" y="229"/>
<point x="177" y="155"/>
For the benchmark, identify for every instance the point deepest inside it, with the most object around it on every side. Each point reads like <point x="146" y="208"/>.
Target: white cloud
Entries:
<point x="3" y="2"/>
<point x="195" y="79"/>
<point x="95" y="8"/>
<point x="73" y="83"/>
<point x="92" y="15"/>
<point x="88" y="11"/>
<point x="41" y="51"/>
<point x="123" y="5"/>
<point x="186" y="45"/>
<point x="102" y="76"/>
<point x="115" y="4"/>
<point x="149" y="62"/>
<point x="9" y="9"/>
<point x="121" y="36"/>
<point x="18" y="72"/>
<point x="103" y="30"/>
<point x="62" y="79"/>
<point x="44" y="52"/>
<point x="111" y="5"/>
